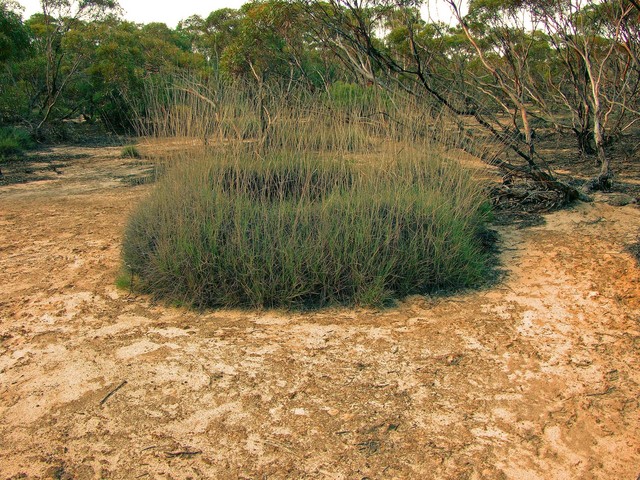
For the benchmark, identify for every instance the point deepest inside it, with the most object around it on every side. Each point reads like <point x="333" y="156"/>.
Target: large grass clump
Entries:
<point x="290" y="228"/>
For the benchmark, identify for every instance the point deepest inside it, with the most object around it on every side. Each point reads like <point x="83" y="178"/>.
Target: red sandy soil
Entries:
<point x="537" y="377"/>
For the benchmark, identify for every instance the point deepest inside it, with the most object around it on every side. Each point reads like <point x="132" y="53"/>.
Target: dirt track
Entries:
<point x="536" y="378"/>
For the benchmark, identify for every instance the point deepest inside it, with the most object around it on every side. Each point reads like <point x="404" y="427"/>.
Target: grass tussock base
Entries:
<point x="294" y="229"/>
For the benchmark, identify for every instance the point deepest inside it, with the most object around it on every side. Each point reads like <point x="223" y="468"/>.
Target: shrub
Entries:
<point x="296" y="229"/>
<point x="9" y="147"/>
<point x="352" y="96"/>
<point x="13" y="142"/>
<point x="130" y="151"/>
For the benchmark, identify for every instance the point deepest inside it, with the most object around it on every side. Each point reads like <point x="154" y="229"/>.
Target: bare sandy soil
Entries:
<point x="537" y="377"/>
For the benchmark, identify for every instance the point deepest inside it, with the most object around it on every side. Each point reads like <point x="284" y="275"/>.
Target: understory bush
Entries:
<point x="291" y="228"/>
<point x="13" y="142"/>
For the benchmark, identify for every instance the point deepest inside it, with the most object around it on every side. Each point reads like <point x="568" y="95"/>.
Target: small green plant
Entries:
<point x="124" y="281"/>
<point x="130" y="151"/>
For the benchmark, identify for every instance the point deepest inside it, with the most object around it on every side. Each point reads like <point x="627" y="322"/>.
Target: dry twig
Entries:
<point x="108" y="395"/>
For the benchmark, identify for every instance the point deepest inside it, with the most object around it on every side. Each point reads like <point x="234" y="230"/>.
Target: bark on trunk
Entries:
<point x="528" y="135"/>
<point x="603" y="180"/>
<point x="584" y="138"/>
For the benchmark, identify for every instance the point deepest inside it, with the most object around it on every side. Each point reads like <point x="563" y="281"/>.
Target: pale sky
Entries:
<point x="172" y="11"/>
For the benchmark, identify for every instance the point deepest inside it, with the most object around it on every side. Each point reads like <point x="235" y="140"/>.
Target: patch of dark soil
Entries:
<point x="46" y="155"/>
<point x="135" y="180"/>
<point x="489" y="239"/>
<point x="82" y="134"/>
<point x="520" y="220"/>
<point x="29" y="169"/>
<point x="628" y="188"/>
<point x="620" y="199"/>
<point x="634" y="249"/>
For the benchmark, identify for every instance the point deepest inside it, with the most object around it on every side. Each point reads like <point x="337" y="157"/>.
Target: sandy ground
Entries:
<point x="535" y="378"/>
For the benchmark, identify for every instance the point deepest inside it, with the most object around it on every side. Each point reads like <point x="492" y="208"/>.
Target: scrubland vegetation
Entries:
<point x="327" y="131"/>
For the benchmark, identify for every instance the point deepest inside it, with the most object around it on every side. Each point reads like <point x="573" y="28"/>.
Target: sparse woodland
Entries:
<point x="506" y="70"/>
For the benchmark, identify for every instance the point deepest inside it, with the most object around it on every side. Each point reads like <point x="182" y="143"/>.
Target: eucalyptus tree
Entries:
<point x="353" y="25"/>
<point x="59" y="19"/>
<point x="268" y="40"/>
<point x="217" y="31"/>
<point x="15" y="47"/>
<point x="506" y="44"/>
<point x="590" y="38"/>
<point x="14" y="37"/>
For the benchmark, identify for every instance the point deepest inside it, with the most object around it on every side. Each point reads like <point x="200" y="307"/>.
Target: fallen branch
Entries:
<point x="599" y="394"/>
<point x="531" y="192"/>
<point x="183" y="453"/>
<point x="108" y="395"/>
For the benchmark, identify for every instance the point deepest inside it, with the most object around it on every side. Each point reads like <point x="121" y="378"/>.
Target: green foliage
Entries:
<point x="14" y="36"/>
<point x="13" y="142"/>
<point x="295" y="229"/>
<point x="124" y="281"/>
<point x="130" y="151"/>
<point x="345" y="94"/>
<point x="260" y="46"/>
<point x="9" y="147"/>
